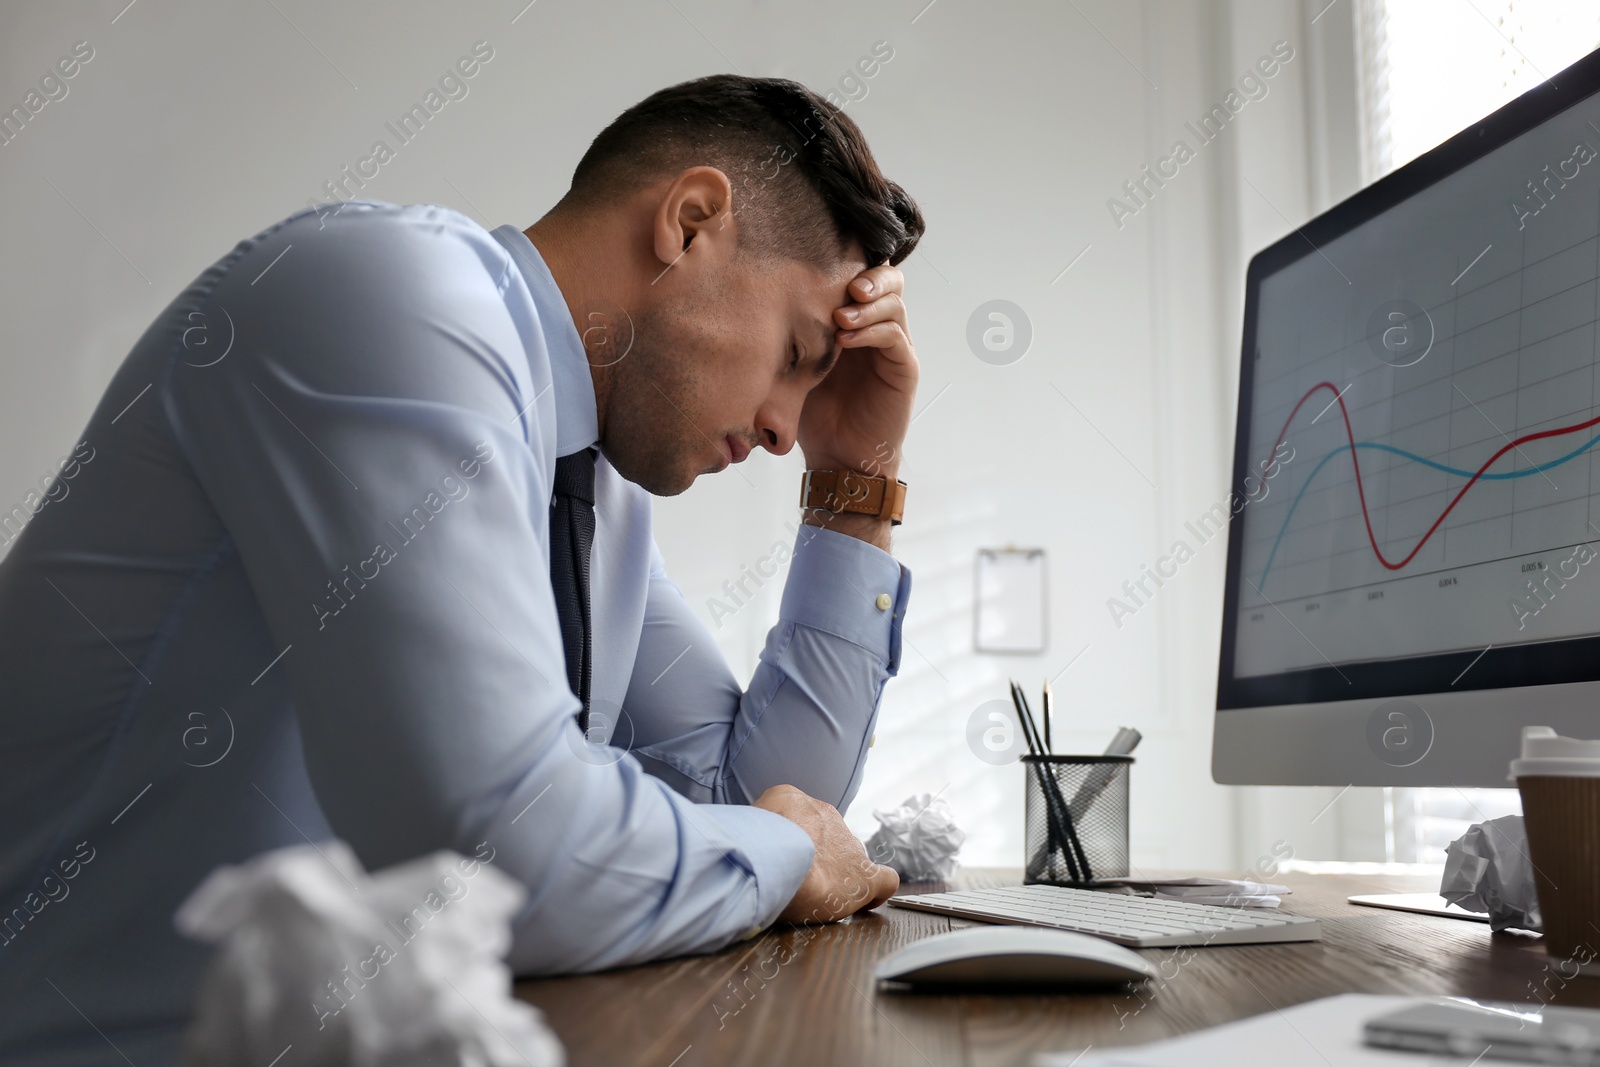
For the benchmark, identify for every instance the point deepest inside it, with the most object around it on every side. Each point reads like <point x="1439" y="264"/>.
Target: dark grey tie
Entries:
<point x="571" y="538"/>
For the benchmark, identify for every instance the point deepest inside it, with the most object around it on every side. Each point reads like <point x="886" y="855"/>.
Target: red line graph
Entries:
<point x="1361" y="489"/>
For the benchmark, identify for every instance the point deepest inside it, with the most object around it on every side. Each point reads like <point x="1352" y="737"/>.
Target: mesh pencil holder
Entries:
<point x="1076" y="828"/>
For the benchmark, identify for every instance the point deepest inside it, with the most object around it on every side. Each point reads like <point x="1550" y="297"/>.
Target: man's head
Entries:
<point x="710" y="233"/>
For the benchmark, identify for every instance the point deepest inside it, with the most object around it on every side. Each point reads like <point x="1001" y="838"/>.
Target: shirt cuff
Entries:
<point x="846" y="587"/>
<point x="776" y="851"/>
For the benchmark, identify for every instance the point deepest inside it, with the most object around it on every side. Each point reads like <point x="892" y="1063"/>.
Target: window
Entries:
<point x="1426" y="70"/>
<point x="1430" y="68"/>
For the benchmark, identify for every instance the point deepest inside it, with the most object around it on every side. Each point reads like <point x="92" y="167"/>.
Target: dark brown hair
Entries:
<point x="805" y="183"/>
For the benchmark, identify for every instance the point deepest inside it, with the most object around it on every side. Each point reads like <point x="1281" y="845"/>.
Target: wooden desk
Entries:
<point x="806" y="996"/>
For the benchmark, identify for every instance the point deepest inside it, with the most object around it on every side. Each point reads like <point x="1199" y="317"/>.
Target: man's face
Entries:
<point x="722" y="367"/>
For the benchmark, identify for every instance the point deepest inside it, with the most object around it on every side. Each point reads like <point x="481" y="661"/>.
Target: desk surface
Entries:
<point x="806" y="996"/>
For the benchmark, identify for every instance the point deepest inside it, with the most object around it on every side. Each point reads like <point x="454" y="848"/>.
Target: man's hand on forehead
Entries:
<point x="859" y="414"/>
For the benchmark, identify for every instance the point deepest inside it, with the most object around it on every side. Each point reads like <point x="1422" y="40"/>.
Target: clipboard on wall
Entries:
<point x="1010" y="611"/>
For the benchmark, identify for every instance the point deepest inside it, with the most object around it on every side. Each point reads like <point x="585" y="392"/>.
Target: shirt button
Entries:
<point x="872" y="740"/>
<point x="884" y="601"/>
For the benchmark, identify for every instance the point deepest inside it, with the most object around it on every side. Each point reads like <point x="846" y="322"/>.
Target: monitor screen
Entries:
<point x="1417" y="495"/>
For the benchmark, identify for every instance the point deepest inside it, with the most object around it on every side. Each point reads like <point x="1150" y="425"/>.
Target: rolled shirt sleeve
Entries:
<point x="807" y="716"/>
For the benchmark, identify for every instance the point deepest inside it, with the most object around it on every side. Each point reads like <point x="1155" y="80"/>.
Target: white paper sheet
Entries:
<point x="1322" y="1032"/>
<point x="1011" y="615"/>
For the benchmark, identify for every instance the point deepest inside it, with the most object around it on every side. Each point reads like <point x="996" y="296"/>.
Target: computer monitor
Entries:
<point x="1414" y="527"/>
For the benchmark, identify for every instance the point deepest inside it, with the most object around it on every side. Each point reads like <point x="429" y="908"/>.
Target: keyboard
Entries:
<point x="1140" y="922"/>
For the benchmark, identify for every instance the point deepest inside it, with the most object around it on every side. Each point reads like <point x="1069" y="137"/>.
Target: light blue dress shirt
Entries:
<point x="293" y="583"/>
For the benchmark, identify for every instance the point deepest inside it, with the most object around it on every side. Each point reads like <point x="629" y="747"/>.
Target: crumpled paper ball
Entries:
<point x="1489" y="871"/>
<point x="400" y="968"/>
<point x="919" y="839"/>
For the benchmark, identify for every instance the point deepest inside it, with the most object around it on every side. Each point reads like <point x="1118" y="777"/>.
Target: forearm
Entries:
<point x="808" y="715"/>
<point x="868" y="528"/>
<point x="640" y="874"/>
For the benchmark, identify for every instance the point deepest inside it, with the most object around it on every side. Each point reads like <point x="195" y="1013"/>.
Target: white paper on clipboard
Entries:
<point x="1010" y="602"/>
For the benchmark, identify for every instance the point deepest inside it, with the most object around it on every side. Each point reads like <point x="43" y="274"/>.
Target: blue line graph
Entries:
<point x="1375" y="446"/>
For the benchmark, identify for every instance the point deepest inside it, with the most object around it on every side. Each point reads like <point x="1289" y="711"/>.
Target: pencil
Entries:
<point x="1071" y="844"/>
<point x="1060" y="829"/>
<point x="1055" y="829"/>
<point x="1049" y="746"/>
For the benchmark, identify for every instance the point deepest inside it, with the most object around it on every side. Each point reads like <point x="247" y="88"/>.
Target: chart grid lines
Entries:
<point x="1444" y="415"/>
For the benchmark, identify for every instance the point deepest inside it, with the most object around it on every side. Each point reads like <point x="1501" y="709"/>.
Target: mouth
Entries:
<point x="723" y="460"/>
<point x="737" y="451"/>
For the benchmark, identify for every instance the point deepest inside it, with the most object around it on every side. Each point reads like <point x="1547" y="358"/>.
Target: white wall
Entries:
<point x="1012" y="123"/>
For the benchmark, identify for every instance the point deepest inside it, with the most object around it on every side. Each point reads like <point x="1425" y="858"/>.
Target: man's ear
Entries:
<point x="695" y="216"/>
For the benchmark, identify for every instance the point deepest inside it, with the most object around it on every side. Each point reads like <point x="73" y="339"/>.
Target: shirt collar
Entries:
<point x="577" y="424"/>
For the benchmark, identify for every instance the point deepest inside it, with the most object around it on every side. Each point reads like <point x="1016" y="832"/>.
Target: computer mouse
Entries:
<point x="1013" y="955"/>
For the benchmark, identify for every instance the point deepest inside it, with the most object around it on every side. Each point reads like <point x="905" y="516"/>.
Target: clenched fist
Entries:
<point x="843" y="879"/>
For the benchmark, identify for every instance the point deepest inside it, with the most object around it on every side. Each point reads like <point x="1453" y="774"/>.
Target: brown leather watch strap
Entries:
<point x="854" y="492"/>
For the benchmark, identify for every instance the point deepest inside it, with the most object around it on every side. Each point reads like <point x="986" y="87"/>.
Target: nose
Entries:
<point x="778" y="422"/>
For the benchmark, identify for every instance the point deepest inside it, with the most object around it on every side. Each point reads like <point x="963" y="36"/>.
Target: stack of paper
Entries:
<point x="1227" y="892"/>
<point x="1325" y="1032"/>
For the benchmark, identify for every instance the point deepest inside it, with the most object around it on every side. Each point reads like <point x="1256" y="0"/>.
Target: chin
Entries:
<point x="657" y="480"/>
<point x="673" y="489"/>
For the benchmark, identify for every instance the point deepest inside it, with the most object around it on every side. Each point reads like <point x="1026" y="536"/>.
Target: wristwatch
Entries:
<point x="854" y="492"/>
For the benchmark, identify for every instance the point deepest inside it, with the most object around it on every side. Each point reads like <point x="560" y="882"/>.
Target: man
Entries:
<point x="360" y="532"/>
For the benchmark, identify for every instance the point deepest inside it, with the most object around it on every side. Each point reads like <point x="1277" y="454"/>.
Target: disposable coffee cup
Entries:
<point x="1559" y="779"/>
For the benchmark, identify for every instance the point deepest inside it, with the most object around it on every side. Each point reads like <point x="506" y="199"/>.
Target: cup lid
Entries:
<point x="1544" y="752"/>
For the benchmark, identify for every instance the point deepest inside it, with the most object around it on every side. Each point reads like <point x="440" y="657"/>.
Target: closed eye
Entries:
<point x="825" y="364"/>
<point x="823" y="338"/>
<point x="820" y="367"/>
